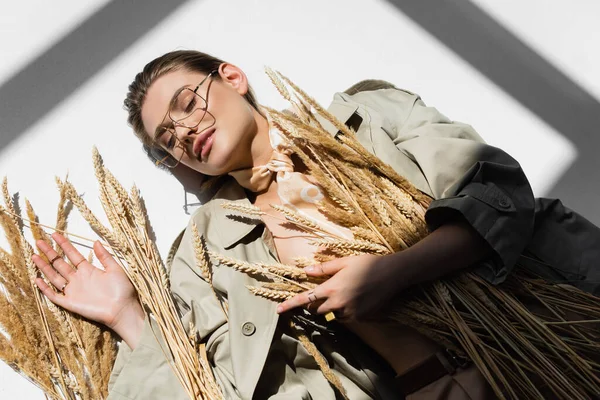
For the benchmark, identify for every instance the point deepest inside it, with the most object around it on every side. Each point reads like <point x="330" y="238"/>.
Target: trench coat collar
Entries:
<point x="232" y="192"/>
<point x="341" y="109"/>
<point x="233" y="230"/>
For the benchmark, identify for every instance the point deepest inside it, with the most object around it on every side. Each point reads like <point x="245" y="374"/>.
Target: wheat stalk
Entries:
<point x="319" y="359"/>
<point x="271" y="294"/>
<point x="203" y="261"/>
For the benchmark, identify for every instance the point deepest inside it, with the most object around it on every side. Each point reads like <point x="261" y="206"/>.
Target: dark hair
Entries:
<point x="189" y="60"/>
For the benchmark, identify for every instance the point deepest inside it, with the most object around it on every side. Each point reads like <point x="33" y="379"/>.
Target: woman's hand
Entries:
<point x="363" y="284"/>
<point x="359" y="286"/>
<point x="105" y="296"/>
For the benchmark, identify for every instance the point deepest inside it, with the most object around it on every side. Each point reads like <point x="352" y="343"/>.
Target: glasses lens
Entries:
<point x="162" y="157"/>
<point x="188" y="109"/>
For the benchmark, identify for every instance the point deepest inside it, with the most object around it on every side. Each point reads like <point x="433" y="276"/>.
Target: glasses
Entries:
<point x="187" y="110"/>
<point x="186" y="205"/>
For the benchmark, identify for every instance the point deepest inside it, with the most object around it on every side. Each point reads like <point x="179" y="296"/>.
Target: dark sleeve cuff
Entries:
<point x="493" y="215"/>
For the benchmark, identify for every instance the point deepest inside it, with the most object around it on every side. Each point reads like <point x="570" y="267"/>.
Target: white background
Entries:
<point x="324" y="46"/>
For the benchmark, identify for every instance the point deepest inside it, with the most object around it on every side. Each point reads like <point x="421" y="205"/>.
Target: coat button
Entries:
<point x="504" y="203"/>
<point x="248" y="329"/>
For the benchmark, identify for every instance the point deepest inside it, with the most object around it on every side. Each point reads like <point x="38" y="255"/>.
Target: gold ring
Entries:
<point x="54" y="259"/>
<point x="313" y="295"/>
<point x="62" y="289"/>
<point x="79" y="263"/>
<point x="330" y="316"/>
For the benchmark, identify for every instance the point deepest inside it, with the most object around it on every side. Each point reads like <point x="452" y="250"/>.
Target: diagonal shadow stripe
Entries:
<point x="53" y="76"/>
<point x="530" y="79"/>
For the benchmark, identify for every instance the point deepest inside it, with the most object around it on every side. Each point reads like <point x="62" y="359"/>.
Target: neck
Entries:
<point x="261" y="152"/>
<point x="260" y="148"/>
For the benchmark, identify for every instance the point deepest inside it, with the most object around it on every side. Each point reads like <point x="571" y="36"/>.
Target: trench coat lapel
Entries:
<point x="248" y="350"/>
<point x="341" y="110"/>
<point x="249" y="353"/>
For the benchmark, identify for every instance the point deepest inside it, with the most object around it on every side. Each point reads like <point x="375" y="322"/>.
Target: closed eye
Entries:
<point x="166" y="138"/>
<point x="170" y="141"/>
<point x="191" y="105"/>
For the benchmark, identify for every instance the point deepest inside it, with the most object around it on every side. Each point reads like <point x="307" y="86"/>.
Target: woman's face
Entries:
<point x="221" y="142"/>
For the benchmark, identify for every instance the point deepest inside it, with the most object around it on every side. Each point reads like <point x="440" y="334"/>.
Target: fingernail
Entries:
<point x="279" y="309"/>
<point x="309" y="269"/>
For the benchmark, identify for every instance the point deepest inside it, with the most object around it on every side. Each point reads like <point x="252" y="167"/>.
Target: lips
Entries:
<point x="201" y="142"/>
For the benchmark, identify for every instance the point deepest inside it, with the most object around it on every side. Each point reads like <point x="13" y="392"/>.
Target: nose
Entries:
<point x="197" y="124"/>
<point x="184" y="133"/>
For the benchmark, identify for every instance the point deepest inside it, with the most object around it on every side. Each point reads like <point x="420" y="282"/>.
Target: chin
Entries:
<point x="217" y="164"/>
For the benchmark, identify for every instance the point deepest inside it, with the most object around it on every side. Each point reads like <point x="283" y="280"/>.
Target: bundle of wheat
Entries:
<point x="64" y="355"/>
<point x="132" y="242"/>
<point x="521" y="352"/>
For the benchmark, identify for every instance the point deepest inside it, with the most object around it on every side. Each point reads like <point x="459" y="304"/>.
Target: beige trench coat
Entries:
<point x="445" y="159"/>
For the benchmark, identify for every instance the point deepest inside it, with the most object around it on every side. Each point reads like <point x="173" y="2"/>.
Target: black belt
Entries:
<point x="435" y="367"/>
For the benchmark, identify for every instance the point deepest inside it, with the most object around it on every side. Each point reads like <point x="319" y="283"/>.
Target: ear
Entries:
<point x="234" y="77"/>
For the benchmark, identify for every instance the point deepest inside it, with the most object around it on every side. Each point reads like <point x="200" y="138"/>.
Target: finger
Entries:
<point x="105" y="258"/>
<point x="299" y="300"/>
<point x="312" y="307"/>
<point x="329" y="307"/>
<point x="71" y="252"/>
<point x="325" y="269"/>
<point x="54" y="297"/>
<point x="59" y="264"/>
<point x="53" y="276"/>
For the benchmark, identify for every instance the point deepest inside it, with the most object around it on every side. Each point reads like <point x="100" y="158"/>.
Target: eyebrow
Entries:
<point x="159" y="129"/>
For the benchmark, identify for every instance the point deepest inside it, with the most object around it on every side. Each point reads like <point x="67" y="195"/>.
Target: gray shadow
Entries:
<point x="58" y="72"/>
<point x="531" y="80"/>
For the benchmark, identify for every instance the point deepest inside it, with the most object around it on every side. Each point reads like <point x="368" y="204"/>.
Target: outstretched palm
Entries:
<point x="93" y="293"/>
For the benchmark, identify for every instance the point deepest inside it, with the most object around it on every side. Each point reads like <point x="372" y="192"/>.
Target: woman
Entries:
<point x="197" y="115"/>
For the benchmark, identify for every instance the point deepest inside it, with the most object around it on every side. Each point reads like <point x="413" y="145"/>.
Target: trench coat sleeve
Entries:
<point x="145" y="372"/>
<point x="467" y="178"/>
